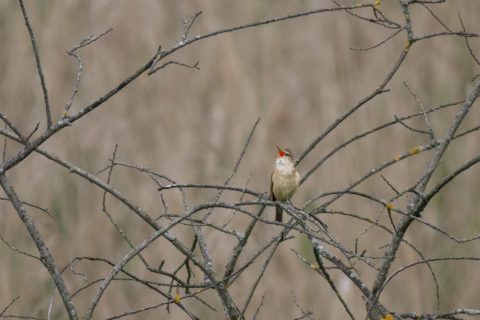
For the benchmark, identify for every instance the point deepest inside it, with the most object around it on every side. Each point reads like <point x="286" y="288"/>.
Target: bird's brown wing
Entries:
<point x="272" y="196"/>
<point x="278" y="209"/>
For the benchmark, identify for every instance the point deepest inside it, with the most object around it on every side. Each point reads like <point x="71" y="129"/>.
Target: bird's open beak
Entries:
<point x="280" y="152"/>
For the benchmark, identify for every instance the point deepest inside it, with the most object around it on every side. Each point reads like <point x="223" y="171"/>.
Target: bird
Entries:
<point x="284" y="180"/>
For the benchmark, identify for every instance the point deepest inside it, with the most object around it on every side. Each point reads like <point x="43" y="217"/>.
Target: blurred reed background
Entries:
<point x="298" y="76"/>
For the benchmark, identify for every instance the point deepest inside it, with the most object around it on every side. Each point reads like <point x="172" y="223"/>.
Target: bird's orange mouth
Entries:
<point x="280" y="152"/>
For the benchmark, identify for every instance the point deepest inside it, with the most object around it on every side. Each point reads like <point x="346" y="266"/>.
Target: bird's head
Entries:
<point x="284" y="153"/>
<point x="284" y="156"/>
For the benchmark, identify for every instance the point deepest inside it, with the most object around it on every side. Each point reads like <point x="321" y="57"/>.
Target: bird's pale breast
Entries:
<point x="285" y="182"/>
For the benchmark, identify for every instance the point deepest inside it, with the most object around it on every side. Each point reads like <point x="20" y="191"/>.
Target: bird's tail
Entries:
<point x="278" y="214"/>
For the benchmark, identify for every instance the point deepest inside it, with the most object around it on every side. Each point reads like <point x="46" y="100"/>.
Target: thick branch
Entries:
<point x="46" y="257"/>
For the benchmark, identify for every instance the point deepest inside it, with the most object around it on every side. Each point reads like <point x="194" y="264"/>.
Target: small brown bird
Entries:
<point x="285" y="178"/>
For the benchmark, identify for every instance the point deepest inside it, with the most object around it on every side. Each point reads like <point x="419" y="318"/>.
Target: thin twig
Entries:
<point x="259" y="307"/>
<point x="18" y="250"/>
<point x="380" y="43"/>
<point x="39" y="65"/>
<point x="305" y="314"/>
<point x="34" y="206"/>
<point x="384" y="22"/>
<point x="445" y="33"/>
<point x="187" y="24"/>
<point x="236" y="166"/>
<point x="72" y="52"/>
<point x="192" y="66"/>
<point x="466" y="41"/>
<point x="11" y="126"/>
<point x="403" y="268"/>
<point x="207" y="186"/>
<point x="389" y="184"/>
<point x="435" y="16"/>
<point x="50" y="305"/>
<point x="33" y="131"/>
<point x="8" y="305"/>
<point x="450" y="177"/>
<point x="420" y="104"/>
<point x="410" y="128"/>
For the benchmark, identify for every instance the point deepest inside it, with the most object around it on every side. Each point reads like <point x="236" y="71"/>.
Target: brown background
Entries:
<point x="298" y="76"/>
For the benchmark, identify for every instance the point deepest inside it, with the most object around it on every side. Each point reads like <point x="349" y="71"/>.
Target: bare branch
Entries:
<point x="445" y="33"/>
<point x="420" y="104"/>
<point x="435" y="16"/>
<point x="395" y="273"/>
<point x="33" y="131"/>
<point x="259" y="307"/>
<point x="187" y="24"/>
<point x="380" y="43"/>
<point x="179" y="280"/>
<point x="39" y="65"/>
<point x="8" y="305"/>
<point x="46" y="257"/>
<point x="11" y="126"/>
<point x="18" y="250"/>
<point x="50" y="306"/>
<point x="305" y="314"/>
<point x="153" y="70"/>
<point x="410" y="128"/>
<point x="158" y="56"/>
<point x="389" y="184"/>
<point x="450" y="177"/>
<point x="276" y="242"/>
<point x="164" y="231"/>
<point x="447" y="315"/>
<point x="208" y="186"/>
<point x="72" y="52"/>
<point x="380" y="89"/>
<point x="466" y="41"/>
<point x="417" y="204"/>
<point x="382" y="21"/>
